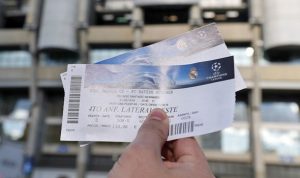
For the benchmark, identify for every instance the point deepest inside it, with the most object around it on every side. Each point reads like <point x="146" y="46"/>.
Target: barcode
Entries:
<point x="181" y="128"/>
<point x="74" y="99"/>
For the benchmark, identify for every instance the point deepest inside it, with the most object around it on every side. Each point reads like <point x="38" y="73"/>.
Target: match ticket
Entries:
<point x="191" y="76"/>
<point x="110" y="102"/>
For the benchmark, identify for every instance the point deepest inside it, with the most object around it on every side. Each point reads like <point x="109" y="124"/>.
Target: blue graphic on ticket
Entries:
<point x="159" y="77"/>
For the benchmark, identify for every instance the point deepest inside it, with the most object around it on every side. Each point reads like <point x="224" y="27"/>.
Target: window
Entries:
<point x="113" y="18"/>
<point x="14" y="125"/>
<point x="13" y="13"/>
<point x="234" y="139"/>
<point x="55" y="102"/>
<point x="280" y="115"/>
<point x="242" y="55"/>
<point x="15" y="110"/>
<point x="166" y="14"/>
<point x="222" y="3"/>
<point x="280" y="111"/>
<point x="283" y="55"/>
<point x="9" y="98"/>
<point x="111" y="12"/>
<point x="58" y="58"/>
<point x="101" y="54"/>
<point x="14" y="58"/>
<point x="281" y="142"/>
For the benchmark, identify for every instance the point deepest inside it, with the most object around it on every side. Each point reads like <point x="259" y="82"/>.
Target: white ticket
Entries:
<point x="109" y="102"/>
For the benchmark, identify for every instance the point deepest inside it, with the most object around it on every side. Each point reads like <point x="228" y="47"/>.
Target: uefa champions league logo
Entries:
<point x="216" y="66"/>
<point x="181" y="45"/>
<point x="217" y="75"/>
<point x="202" y="34"/>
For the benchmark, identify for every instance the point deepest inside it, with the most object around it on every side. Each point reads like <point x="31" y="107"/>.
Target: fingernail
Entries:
<point x="157" y="114"/>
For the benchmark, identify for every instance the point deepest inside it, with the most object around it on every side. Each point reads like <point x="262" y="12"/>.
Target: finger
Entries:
<point x="170" y="164"/>
<point x="153" y="133"/>
<point x="187" y="150"/>
<point x="167" y="152"/>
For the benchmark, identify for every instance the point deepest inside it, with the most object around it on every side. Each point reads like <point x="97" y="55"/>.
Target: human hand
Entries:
<point x="150" y="156"/>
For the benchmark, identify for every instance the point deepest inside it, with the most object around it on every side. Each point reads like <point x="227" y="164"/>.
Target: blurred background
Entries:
<point x="38" y="38"/>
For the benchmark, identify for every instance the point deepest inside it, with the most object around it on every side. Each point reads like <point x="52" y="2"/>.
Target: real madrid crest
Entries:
<point x="193" y="73"/>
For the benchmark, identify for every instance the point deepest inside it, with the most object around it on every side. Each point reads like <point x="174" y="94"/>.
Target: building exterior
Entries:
<point x="39" y="38"/>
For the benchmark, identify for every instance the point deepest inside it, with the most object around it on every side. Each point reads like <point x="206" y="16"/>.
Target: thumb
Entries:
<point x="153" y="133"/>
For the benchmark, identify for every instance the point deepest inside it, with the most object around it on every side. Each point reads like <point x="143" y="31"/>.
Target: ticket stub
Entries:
<point x="110" y="102"/>
<point x="201" y="44"/>
<point x="180" y="49"/>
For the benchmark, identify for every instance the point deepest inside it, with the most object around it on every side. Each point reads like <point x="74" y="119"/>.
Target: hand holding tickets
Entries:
<point x="149" y="155"/>
<point x="192" y="77"/>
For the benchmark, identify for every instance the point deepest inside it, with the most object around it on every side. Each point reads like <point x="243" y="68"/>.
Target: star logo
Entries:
<point x="181" y="45"/>
<point x="216" y="66"/>
<point x="202" y="34"/>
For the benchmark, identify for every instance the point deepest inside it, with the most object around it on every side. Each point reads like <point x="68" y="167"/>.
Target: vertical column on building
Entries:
<point x="255" y="121"/>
<point x="83" y="22"/>
<point x="137" y="24"/>
<point x="258" y="164"/>
<point x="83" y="153"/>
<point x="82" y="161"/>
<point x="33" y="145"/>
<point x="195" y="17"/>
<point x="1" y="14"/>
